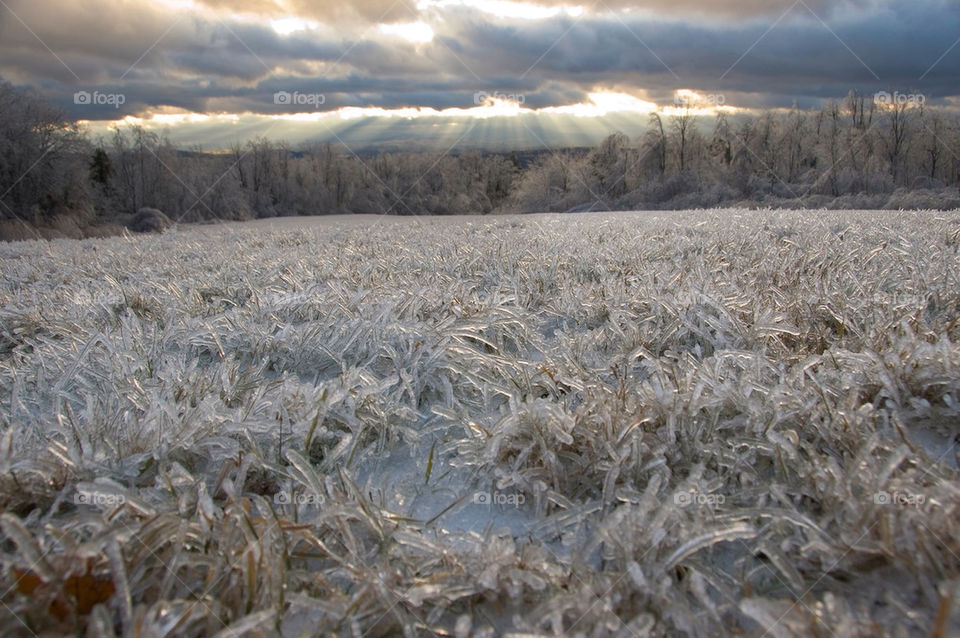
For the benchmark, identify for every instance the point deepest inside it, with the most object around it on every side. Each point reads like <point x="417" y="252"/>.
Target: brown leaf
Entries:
<point x="88" y="590"/>
<point x="80" y="592"/>
<point x="27" y="582"/>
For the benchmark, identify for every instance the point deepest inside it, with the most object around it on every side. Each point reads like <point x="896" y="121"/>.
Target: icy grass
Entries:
<point x="693" y="424"/>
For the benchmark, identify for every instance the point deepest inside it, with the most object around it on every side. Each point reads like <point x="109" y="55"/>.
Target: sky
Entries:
<point x="384" y="74"/>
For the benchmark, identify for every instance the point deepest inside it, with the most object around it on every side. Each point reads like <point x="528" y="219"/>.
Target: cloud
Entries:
<point x="380" y="11"/>
<point x="800" y="57"/>
<point x="222" y="57"/>
<point x="371" y="11"/>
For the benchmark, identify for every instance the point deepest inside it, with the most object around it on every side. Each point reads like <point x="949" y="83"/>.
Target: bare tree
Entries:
<point x="656" y="141"/>
<point x="683" y="125"/>
<point x="43" y="159"/>
<point x="895" y="136"/>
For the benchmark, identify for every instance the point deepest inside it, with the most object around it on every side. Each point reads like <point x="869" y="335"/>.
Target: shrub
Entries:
<point x="149" y="220"/>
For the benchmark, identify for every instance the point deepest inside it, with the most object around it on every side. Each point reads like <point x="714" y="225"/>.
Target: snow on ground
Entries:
<point x="695" y="423"/>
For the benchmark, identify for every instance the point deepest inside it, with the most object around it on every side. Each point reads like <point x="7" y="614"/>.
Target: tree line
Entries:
<point x="851" y="153"/>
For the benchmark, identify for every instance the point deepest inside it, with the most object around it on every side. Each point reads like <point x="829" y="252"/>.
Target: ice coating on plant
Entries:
<point x="702" y="423"/>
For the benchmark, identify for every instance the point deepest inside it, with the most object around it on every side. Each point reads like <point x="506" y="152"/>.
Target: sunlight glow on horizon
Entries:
<point x="603" y="103"/>
<point x="501" y="121"/>
<point x="689" y="102"/>
<point x="599" y="104"/>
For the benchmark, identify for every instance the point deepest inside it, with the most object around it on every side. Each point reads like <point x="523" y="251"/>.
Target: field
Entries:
<point x="701" y="423"/>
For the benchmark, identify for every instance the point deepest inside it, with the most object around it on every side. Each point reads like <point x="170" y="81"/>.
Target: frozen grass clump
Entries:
<point x="705" y="423"/>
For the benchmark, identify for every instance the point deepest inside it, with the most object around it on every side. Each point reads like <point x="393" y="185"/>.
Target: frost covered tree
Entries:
<point x="613" y="167"/>
<point x="896" y="135"/>
<point x="42" y="160"/>
<point x="683" y="129"/>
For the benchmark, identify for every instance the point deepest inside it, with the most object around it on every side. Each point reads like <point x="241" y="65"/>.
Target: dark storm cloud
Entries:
<point x="800" y="56"/>
<point x="155" y="57"/>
